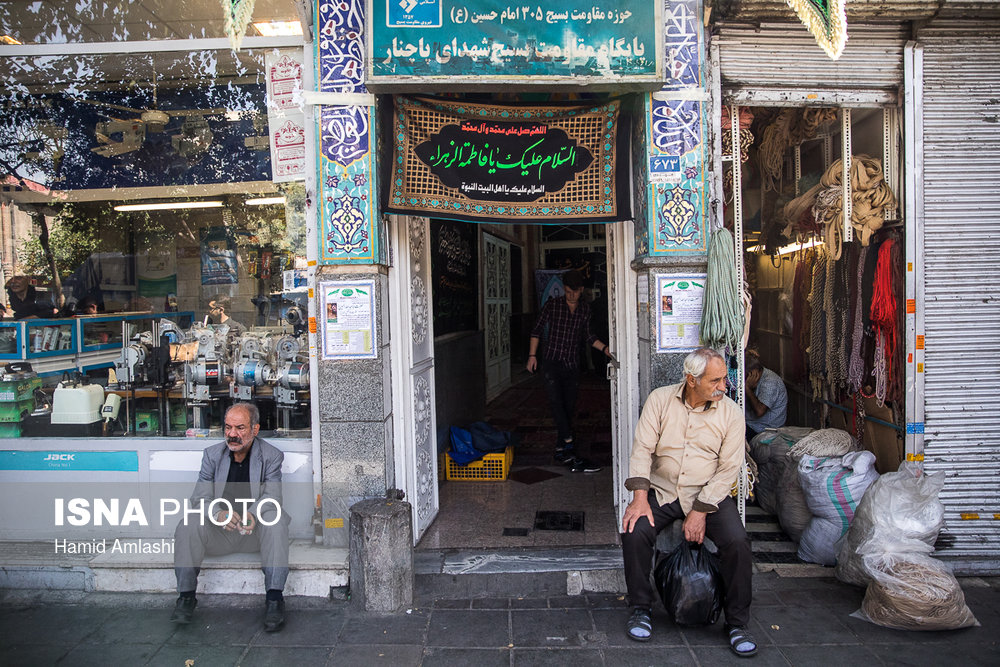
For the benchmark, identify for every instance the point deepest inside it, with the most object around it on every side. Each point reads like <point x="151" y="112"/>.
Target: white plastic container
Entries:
<point x="77" y="404"/>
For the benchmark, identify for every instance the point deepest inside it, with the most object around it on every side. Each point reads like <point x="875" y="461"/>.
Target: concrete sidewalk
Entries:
<point x="797" y="621"/>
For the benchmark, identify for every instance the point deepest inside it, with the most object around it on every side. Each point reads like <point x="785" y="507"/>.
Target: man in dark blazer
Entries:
<point x="245" y="472"/>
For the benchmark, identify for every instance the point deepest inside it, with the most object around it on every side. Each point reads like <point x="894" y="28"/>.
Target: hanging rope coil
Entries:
<point x="801" y="316"/>
<point x="870" y="197"/>
<point x="790" y="128"/>
<point x="830" y="317"/>
<point x="722" y="313"/>
<point x="817" y="326"/>
<point x="856" y="368"/>
<point x="883" y="315"/>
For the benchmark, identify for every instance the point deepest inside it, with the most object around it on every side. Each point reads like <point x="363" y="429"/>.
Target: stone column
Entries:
<point x="355" y="406"/>
<point x="382" y="555"/>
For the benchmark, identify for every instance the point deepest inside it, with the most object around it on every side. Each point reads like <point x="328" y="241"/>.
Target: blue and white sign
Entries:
<point x="69" y="460"/>
<point x="413" y="13"/>
<point x="665" y="169"/>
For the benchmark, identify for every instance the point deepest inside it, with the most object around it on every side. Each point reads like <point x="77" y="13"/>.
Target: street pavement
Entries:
<point x="796" y="621"/>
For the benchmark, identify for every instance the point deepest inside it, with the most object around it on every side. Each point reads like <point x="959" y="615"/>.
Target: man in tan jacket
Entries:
<point x="687" y="452"/>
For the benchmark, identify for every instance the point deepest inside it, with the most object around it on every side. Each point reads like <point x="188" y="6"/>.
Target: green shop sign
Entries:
<point x="479" y="40"/>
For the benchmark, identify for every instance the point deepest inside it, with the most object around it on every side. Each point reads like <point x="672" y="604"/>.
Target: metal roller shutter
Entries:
<point x="780" y="64"/>
<point x="961" y="182"/>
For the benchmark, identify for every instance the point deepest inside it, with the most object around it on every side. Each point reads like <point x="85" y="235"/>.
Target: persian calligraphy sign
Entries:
<point x="482" y="40"/>
<point x="526" y="163"/>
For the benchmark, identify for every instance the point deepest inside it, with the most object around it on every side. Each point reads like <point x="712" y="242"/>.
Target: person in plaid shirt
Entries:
<point x="568" y="321"/>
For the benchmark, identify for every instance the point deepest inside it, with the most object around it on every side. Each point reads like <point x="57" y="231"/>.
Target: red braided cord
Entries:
<point x="883" y="308"/>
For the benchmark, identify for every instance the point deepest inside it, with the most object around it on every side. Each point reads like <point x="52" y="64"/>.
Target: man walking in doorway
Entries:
<point x="568" y="321"/>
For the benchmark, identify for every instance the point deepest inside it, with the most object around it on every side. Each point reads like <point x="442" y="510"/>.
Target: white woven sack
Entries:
<point x="832" y="488"/>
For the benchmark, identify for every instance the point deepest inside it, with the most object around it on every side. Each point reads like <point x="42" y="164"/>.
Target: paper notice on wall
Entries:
<point x="678" y="307"/>
<point x="288" y="148"/>
<point x="348" y="318"/>
<point x="285" y="118"/>
<point x="284" y="82"/>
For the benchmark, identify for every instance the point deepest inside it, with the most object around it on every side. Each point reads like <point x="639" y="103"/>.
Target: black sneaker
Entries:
<point x="580" y="464"/>
<point x="565" y="455"/>
<point x="274" y="615"/>
<point x="183" y="610"/>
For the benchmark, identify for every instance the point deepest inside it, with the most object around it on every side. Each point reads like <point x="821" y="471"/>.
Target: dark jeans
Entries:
<point x="723" y="527"/>
<point x="561" y="383"/>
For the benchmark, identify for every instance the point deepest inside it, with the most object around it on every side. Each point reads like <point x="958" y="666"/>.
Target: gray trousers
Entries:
<point x="193" y="542"/>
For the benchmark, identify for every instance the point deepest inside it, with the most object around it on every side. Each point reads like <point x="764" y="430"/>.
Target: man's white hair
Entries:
<point x="697" y="361"/>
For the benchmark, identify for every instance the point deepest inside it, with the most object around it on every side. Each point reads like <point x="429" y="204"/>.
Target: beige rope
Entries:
<point x="914" y="592"/>
<point x="790" y="128"/>
<point x="870" y="195"/>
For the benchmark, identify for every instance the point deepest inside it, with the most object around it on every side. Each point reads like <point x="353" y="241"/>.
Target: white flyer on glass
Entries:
<point x="284" y="81"/>
<point x="348" y="318"/>
<point x="288" y="148"/>
<point x="678" y="307"/>
<point x="285" y="118"/>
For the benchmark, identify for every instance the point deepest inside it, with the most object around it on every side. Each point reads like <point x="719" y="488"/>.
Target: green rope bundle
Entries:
<point x="722" y="315"/>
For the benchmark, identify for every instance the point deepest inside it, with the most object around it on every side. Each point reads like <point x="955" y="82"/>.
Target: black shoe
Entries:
<point x="274" y="615"/>
<point x="183" y="610"/>
<point x="580" y="464"/>
<point x="565" y="456"/>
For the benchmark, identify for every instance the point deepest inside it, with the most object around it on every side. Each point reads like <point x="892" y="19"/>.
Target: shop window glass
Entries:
<point x="53" y="22"/>
<point x="147" y="248"/>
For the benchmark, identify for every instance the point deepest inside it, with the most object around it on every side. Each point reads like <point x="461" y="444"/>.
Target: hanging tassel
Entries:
<point x="826" y="21"/>
<point x="238" y="15"/>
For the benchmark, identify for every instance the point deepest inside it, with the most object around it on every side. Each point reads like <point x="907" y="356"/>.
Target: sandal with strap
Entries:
<point x="740" y="641"/>
<point x="640" y="625"/>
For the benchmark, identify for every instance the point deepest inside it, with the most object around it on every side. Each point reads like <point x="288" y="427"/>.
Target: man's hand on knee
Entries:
<point x="694" y="526"/>
<point x="639" y="507"/>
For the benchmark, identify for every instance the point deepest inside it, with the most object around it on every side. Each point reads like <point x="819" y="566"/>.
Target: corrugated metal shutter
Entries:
<point x="778" y="63"/>
<point x="961" y="98"/>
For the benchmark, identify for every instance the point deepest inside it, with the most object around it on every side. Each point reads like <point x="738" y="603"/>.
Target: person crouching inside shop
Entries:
<point x="686" y="454"/>
<point x="241" y="467"/>
<point x="767" y="399"/>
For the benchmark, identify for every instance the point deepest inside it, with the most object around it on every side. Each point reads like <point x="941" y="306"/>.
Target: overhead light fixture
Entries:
<point x="168" y="205"/>
<point x="791" y="247"/>
<point x="264" y="201"/>
<point x="278" y="28"/>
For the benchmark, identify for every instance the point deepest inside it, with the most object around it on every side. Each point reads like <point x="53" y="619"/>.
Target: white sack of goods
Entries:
<point x="832" y="487"/>
<point x="900" y="512"/>
<point x="912" y="591"/>
<point x="793" y="513"/>
<point x="768" y="450"/>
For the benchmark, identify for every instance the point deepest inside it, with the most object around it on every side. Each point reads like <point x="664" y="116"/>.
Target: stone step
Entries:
<point x="314" y="570"/>
<point x="526" y="572"/>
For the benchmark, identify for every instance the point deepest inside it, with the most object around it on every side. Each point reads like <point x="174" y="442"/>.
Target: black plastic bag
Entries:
<point x="689" y="584"/>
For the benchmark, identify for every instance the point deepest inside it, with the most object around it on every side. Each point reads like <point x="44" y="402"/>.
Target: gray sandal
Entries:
<point x="640" y="625"/>
<point x="740" y="641"/>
